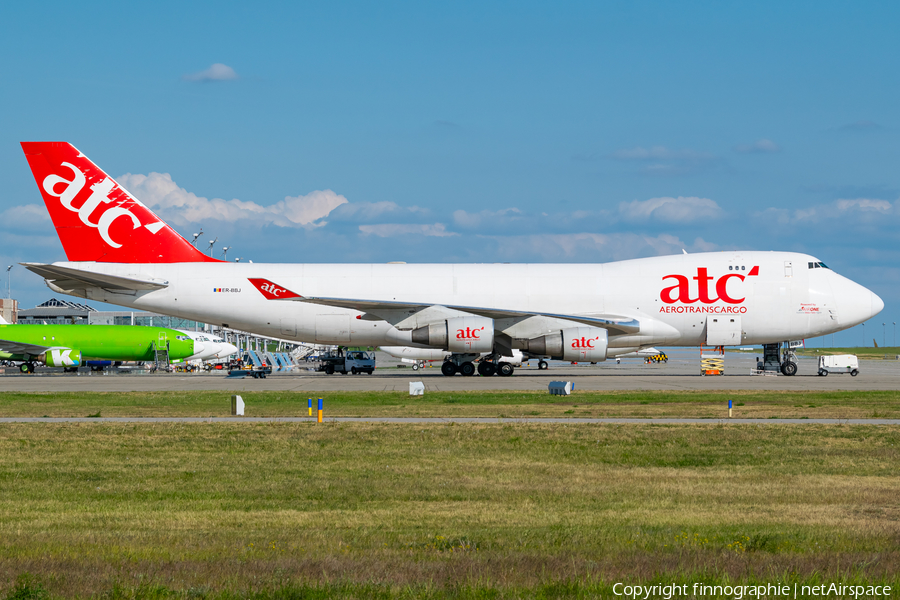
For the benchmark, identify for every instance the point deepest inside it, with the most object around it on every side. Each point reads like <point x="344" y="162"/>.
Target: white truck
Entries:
<point x="351" y="361"/>
<point x="839" y="363"/>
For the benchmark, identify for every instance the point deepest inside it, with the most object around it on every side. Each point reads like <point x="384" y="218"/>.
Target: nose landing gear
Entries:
<point x="776" y="358"/>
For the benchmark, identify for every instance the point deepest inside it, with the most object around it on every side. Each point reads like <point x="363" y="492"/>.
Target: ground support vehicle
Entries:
<point x="351" y="361"/>
<point x="255" y="373"/>
<point x="839" y="363"/>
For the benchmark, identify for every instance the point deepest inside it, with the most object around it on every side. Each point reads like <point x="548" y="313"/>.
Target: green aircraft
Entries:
<point x="71" y="346"/>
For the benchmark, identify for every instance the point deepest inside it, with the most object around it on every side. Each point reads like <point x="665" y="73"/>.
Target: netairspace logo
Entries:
<point x="740" y="592"/>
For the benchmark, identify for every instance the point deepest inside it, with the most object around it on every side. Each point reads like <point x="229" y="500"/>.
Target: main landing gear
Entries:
<point x="487" y="366"/>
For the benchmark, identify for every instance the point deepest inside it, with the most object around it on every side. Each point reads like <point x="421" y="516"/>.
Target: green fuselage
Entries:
<point x="97" y="342"/>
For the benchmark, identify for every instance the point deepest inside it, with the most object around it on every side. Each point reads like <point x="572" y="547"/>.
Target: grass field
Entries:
<point x="867" y="353"/>
<point x="713" y="405"/>
<point x="438" y="511"/>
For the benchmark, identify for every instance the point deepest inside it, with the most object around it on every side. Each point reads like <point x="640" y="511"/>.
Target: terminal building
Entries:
<point x="9" y="308"/>
<point x="64" y="312"/>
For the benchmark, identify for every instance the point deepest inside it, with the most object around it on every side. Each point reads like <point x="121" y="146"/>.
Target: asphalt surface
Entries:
<point x="682" y="372"/>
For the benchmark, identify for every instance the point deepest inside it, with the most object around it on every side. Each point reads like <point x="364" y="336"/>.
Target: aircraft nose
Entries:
<point x="198" y="347"/>
<point x="877" y="304"/>
<point x="855" y="303"/>
<point x="227" y="350"/>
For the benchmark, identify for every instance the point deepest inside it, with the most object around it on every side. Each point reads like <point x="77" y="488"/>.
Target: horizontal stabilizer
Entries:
<point x="68" y="278"/>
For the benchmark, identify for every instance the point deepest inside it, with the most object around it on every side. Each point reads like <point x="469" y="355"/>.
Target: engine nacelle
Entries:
<point x="61" y="357"/>
<point x="583" y="344"/>
<point x="464" y="335"/>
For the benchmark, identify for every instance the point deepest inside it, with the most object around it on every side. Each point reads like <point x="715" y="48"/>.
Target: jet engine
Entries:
<point x="460" y="335"/>
<point x="584" y="344"/>
<point x="61" y="357"/>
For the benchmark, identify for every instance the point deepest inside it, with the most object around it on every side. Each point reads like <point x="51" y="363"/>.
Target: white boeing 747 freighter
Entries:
<point x="120" y="252"/>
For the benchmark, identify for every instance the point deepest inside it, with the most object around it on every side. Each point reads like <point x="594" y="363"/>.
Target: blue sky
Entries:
<point x="576" y="132"/>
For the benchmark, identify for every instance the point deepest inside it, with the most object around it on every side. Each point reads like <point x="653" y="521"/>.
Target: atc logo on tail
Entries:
<point x="96" y="218"/>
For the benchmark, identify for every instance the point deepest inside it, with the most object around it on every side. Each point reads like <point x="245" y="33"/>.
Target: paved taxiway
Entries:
<point x="680" y="373"/>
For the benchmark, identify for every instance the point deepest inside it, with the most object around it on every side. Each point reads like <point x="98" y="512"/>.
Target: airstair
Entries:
<point x="254" y="359"/>
<point x="161" y="353"/>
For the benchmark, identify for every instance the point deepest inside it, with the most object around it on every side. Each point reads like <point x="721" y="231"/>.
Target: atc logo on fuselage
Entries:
<point x="708" y="292"/>
<point x="271" y="290"/>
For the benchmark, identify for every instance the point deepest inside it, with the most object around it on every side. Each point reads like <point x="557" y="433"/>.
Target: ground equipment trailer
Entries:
<point x="839" y="363"/>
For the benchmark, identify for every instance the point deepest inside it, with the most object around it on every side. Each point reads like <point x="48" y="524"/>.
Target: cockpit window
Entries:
<point x="818" y="265"/>
<point x="821" y="264"/>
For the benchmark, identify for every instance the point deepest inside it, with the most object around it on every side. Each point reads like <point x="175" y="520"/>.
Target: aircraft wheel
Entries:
<point x="354" y="370"/>
<point x="543" y="366"/>
<point x="789" y="368"/>
<point x="329" y="369"/>
<point x="854" y="372"/>
<point x="486" y="369"/>
<point x="506" y="369"/>
<point x="415" y="366"/>
<point x="467" y="369"/>
<point x="24" y="368"/>
<point x="823" y="372"/>
<point x="448" y="369"/>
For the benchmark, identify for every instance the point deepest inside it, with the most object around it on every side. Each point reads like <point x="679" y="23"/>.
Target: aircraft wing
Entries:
<point x="23" y="348"/>
<point x="394" y="312"/>
<point x="619" y="323"/>
<point x="68" y="278"/>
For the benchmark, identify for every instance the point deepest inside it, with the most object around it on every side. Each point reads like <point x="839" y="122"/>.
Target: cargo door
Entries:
<point x="723" y="330"/>
<point x="333" y="329"/>
<point x="289" y="327"/>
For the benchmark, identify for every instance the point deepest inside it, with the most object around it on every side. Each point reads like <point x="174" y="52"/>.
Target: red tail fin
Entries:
<point x="96" y="218"/>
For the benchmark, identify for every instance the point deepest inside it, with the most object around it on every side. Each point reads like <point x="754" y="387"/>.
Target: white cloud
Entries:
<point x="216" y="72"/>
<point x="387" y="230"/>
<point x="25" y="217"/>
<point x="584" y="247"/>
<point x="178" y="206"/>
<point x="474" y="220"/>
<point x="367" y="211"/>
<point x="670" y="210"/>
<point x="864" y="204"/>
<point x="840" y="212"/>
<point x="762" y="146"/>
<point x="662" y="161"/>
